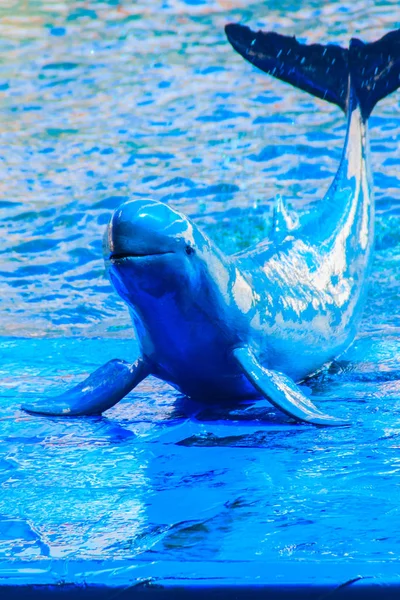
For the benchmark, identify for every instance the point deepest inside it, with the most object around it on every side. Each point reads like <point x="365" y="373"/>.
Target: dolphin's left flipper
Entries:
<point x="281" y="391"/>
<point x="99" y="392"/>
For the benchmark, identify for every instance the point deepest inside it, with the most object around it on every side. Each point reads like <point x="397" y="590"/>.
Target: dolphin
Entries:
<point x="250" y="325"/>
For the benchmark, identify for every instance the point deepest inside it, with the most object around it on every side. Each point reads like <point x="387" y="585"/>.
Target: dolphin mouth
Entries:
<point x="120" y="256"/>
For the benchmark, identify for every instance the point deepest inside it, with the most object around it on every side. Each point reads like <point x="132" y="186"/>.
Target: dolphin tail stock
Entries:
<point x="324" y="70"/>
<point x="100" y="391"/>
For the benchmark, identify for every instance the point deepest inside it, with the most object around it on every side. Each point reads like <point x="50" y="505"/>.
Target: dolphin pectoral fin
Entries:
<point x="281" y="391"/>
<point x="99" y="392"/>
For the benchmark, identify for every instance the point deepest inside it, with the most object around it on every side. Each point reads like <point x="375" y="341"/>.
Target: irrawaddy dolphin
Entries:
<point x="219" y="327"/>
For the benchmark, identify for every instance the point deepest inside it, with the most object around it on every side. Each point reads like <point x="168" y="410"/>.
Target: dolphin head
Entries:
<point x="153" y="256"/>
<point x="146" y="229"/>
<point x="175" y="281"/>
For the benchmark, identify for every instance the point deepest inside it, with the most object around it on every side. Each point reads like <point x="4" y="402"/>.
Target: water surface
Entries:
<point x="105" y="101"/>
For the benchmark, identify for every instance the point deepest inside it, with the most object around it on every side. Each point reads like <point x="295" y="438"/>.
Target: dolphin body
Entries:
<point x="222" y="327"/>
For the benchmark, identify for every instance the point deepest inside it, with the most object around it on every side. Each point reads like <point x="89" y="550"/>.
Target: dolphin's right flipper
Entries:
<point x="99" y="392"/>
<point x="281" y="391"/>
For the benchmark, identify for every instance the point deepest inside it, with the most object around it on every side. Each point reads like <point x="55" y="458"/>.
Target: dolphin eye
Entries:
<point x="189" y="250"/>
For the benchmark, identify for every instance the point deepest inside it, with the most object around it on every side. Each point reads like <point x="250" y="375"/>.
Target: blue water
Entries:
<point x="104" y="101"/>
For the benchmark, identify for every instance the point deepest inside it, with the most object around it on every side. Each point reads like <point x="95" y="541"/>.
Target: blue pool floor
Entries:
<point x="164" y="492"/>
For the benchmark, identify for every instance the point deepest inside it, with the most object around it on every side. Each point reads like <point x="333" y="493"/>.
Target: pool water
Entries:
<point x="104" y="101"/>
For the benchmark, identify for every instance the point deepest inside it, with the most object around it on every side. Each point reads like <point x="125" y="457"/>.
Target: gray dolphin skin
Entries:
<point x="227" y="328"/>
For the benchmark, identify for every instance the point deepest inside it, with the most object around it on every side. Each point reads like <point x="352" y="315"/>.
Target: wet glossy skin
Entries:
<point x="295" y="300"/>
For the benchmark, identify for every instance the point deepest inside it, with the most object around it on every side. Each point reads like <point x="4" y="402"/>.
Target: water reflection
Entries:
<point x="160" y="476"/>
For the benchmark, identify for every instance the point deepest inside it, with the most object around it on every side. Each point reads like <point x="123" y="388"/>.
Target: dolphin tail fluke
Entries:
<point x="375" y="69"/>
<point x="323" y="70"/>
